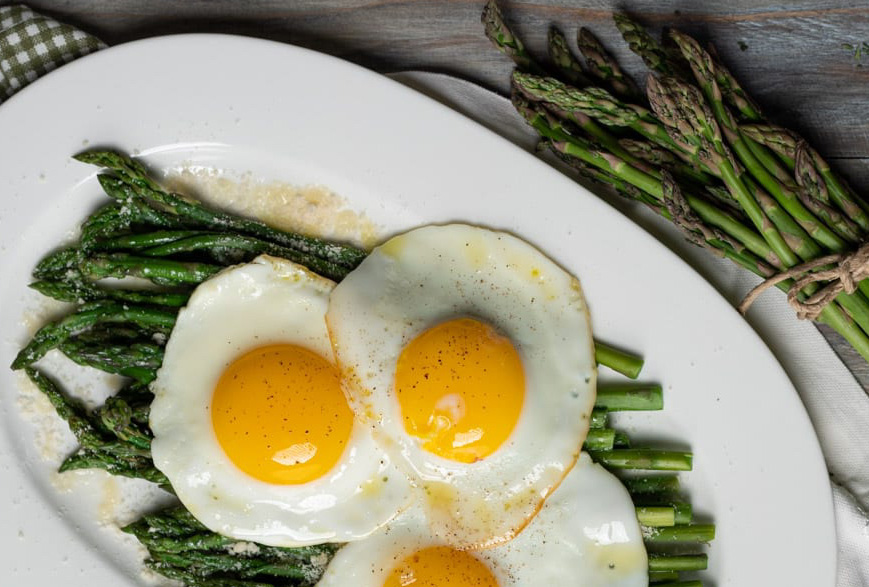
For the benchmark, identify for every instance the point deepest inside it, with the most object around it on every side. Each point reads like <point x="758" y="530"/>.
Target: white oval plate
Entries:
<point x="290" y="114"/>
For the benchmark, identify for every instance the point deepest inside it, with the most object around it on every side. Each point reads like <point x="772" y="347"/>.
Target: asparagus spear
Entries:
<point x="71" y="411"/>
<point x="212" y="241"/>
<point x="159" y="271"/>
<point x="135" y="176"/>
<point x="58" y="264"/>
<point x="576" y="105"/>
<point x="815" y="196"/>
<point x="133" y="467"/>
<point x="116" y="416"/>
<point x="599" y="439"/>
<point x="530" y="86"/>
<point x="598" y="418"/>
<point x="139" y="360"/>
<point x="656" y="485"/>
<point x="625" y="363"/>
<point x="680" y="533"/>
<point x="97" y="451"/>
<point x="686" y="115"/>
<point x="686" y="562"/>
<point x="75" y="288"/>
<point x="53" y="334"/>
<point x="704" y="69"/>
<point x="644" y="458"/>
<point x="567" y="64"/>
<point x="621" y="440"/>
<point x="573" y="146"/>
<point x="854" y="207"/>
<point x="780" y="140"/>
<point x="732" y="91"/>
<point x="604" y="66"/>
<point x="147" y="240"/>
<point x="503" y="38"/>
<point x="656" y="516"/>
<point x="180" y="547"/>
<point x="633" y="397"/>
<point x="654" y="55"/>
<point x="711" y="238"/>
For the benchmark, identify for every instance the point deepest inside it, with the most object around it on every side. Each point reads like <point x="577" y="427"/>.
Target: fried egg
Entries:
<point x="470" y="355"/>
<point x="250" y="423"/>
<point x="586" y="534"/>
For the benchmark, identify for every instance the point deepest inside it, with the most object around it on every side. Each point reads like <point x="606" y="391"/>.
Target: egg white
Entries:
<point x="265" y="302"/>
<point x="586" y="534"/>
<point x="435" y="273"/>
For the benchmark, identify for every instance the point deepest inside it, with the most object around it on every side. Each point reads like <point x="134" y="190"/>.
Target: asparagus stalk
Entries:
<point x="147" y="240"/>
<point x="618" y="360"/>
<point x="133" y="467"/>
<point x="577" y="105"/>
<point x="621" y="440"/>
<point x="619" y="397"/>
<point x="160" y="271"/>
<point x="97" y="451"/>
<point x="733" y="92"/>
<point x="212" y="241"/>
<point x="503" y="38"/>
<point x="75" y="288"/>
<point x="604" y="66"/>
<point x="644" y="458"/>
<point x="652" y="517"/>
<point x="598" y="418"/>
<point x="710" y="214"/>
<point x="53" y="334"/>
<point x="181" y="548"/>
<point x="680" y="533"/>
<point x="71" y="411"/>
<point x="139" y="360"/>
<point x="58" y="264"/>
<point x="779" y="140"/>
<point x="654" y="55"/>
<point x="811" y="164"/>
<point x="116" y="416"/>
<point x="563" y="58"/>
<point x="703" y="67"/>
<point x="679" y="563"/>
<point x="684" y="512"/>
<point x="815" y="196"/>
<point x="599" y="439"/>
<point x="659" y="577"/>
<point x="705" y="71"/>
<point x="578" y="148"/>
<point x="655" y="485"/>
<point x="686" y="115"/>
<point x="144" y="188"/>
<point x="678" y="210"/>
<point x="536" y="87"/>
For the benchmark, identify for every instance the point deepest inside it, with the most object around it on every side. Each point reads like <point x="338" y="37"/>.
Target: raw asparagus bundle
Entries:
<point x="698" y="151"/>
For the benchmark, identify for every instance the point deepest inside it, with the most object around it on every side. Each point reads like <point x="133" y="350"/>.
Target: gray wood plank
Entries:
<point x="789" y="55"/>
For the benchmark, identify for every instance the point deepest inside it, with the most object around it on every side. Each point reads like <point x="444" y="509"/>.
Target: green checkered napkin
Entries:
<point x="32" y="45"/>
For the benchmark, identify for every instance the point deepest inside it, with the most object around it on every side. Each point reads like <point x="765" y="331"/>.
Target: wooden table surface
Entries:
<point x="791" y="56"/>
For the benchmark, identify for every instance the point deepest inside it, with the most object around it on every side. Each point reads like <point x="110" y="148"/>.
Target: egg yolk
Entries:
<point x="441" y="566"/>
<point x="460" y="387"/>
<point x="279" y="414"/>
